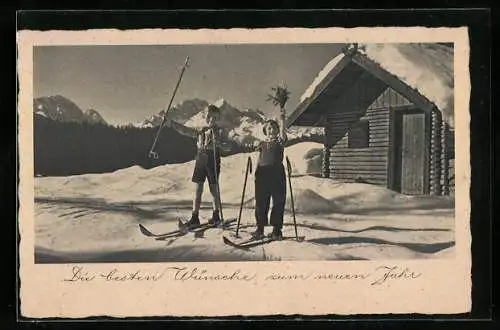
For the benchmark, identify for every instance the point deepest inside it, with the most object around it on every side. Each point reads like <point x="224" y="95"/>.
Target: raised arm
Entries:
<point x="283" y="135"/>
<point x="225" y="143"/>
<point x="251" y="147"/>
<point x="247" y="147"/>
<point x="181" y="129"/>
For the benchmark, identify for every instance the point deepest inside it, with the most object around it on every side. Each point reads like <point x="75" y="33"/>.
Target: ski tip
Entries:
<point x="145" y="231"/>
<point x="228" y="241"/>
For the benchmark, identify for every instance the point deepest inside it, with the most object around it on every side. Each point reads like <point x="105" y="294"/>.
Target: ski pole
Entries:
<point x="289" y="170"/>
<point x="152" y="153"/>
<point x="217" y="187"/>
<point x="248" y="169"/>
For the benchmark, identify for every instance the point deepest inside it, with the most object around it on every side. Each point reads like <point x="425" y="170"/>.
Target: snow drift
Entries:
<point x="94" y="217"/>
<point x="172" y="182"/>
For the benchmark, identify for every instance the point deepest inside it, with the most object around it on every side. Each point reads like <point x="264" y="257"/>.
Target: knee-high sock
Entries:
<point x="216" y="202"/>
<point x="197" y="197"/>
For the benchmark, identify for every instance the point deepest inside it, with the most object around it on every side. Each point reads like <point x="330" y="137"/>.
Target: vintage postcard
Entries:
<point x="244" y="172"/>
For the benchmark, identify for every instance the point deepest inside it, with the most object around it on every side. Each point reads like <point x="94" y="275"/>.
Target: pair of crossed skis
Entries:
<point x="244" y="244"/>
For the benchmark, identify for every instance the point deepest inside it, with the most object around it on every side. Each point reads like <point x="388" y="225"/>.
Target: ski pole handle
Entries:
<point x="153" y="154"/>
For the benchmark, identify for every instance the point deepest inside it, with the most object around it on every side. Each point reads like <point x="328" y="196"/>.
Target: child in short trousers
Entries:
<point x="207" y="161"/>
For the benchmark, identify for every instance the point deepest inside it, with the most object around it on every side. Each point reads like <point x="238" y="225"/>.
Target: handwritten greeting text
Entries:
<point x="80" y="274"/>
<point x="379" y="276"/>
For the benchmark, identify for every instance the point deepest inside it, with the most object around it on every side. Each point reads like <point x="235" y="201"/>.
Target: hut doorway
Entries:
<point x="408" y="152"/>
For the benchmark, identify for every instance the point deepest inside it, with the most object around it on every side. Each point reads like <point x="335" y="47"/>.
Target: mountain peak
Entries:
<point x="220" y="102"/>
<point x="60" y="108"/>
<point x="93" y="116"/>
<point x="244" y="125"/>
<point x="58" y="97"/>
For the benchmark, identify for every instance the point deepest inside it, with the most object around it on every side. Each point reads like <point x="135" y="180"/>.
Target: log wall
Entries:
<point x="369" y="164"/>
<point x="435" y="152"/>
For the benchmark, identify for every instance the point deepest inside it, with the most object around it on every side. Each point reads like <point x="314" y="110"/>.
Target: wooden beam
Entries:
<point x="365" y="176"/>
<point x="358" y="158"/>
<point x="341" y="115"/>
<point x="427" y="152"/>
<point x="354" y="167"/>
<point x="365" y="151"/>
<point x="347" y="160"/>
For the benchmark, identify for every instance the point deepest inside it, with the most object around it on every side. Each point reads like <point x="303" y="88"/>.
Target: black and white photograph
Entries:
<point x="243" y="152"/>
<point x="325" y="160"/>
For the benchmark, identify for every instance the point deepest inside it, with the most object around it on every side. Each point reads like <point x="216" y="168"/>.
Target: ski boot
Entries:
<point x="276" y="235"/>
<point x="194" y="222"/>
<point x="258" y="234"/>
<point x="215" y="220"/>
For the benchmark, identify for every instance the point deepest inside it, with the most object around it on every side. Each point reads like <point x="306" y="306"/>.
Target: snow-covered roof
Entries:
<point x="426" y="68"/>
<point x="321" y="76"/>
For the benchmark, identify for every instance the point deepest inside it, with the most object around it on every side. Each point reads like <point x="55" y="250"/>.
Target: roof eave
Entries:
<point x="304" y="105"/>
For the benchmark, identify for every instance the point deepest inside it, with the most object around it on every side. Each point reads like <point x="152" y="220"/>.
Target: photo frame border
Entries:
<point x="478" y="55"/>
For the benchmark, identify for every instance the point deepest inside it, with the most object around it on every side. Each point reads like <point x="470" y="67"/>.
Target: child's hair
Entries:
<point x="270" y="122"/>
<point x="212" y="110"/>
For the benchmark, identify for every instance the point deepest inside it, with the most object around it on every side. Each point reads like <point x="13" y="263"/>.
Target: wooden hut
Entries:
<point x="387" y="112"/>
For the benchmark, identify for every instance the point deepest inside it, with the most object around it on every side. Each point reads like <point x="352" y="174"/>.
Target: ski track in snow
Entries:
<point x="95" y="217"/>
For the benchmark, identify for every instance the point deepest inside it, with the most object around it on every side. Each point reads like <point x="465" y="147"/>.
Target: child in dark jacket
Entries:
<point x="270" y="179"/>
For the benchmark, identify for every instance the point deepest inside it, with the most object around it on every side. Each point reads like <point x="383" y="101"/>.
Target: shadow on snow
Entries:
<point x="416" y="247"/>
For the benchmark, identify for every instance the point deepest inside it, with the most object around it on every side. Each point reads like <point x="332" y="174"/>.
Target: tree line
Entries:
<point x="70" y="148"/>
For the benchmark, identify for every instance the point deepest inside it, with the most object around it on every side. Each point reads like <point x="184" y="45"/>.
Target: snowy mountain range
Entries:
<point x="62" y="109"/>
<point x="244" y="125"/>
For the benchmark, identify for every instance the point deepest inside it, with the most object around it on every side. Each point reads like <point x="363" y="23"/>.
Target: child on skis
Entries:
<point x="207" y="162"/>
<point x="270" y="179"/>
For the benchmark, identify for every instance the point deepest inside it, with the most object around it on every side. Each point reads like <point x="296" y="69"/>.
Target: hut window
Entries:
<point x="359" y="135"/>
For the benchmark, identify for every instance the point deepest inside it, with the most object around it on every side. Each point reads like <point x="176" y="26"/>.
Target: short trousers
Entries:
<point x="204" y="168"/>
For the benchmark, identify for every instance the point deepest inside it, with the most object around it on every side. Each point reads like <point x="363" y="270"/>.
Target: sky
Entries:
<point x="127" y="84"/>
